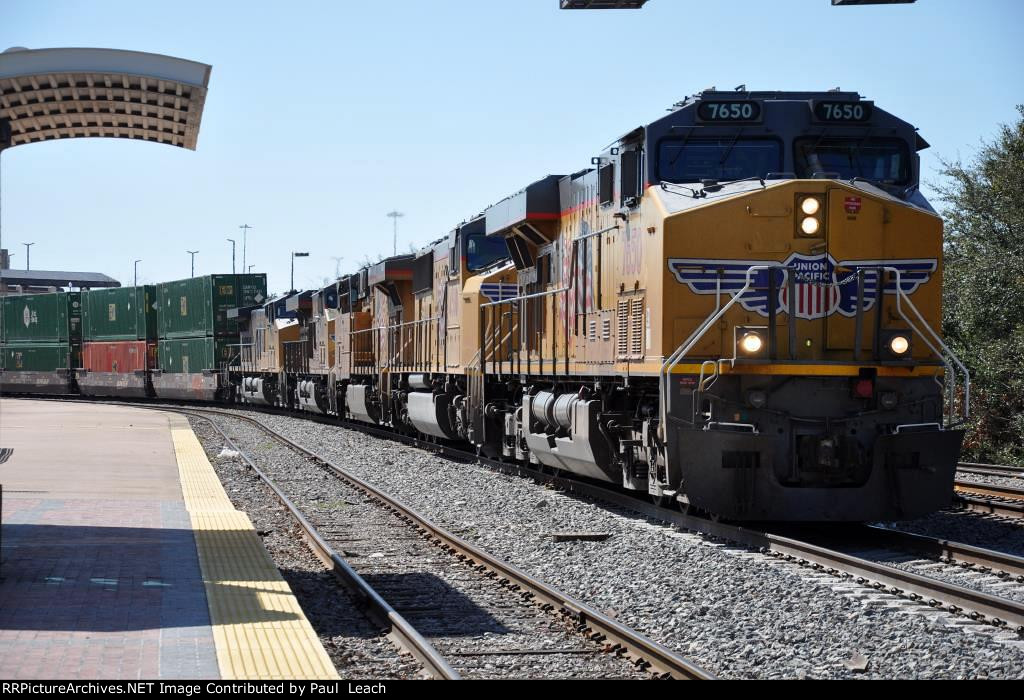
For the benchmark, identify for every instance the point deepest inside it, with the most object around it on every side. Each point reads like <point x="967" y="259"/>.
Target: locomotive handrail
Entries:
<point x="525" y="297"/>
<point x="687" y="345"/>
<point x="491" y="338"/>
<point x="946" y="352"/>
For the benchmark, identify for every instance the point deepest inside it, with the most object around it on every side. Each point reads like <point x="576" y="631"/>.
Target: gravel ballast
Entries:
<point x="357" y="647"/>
<point x="737" y="613"/>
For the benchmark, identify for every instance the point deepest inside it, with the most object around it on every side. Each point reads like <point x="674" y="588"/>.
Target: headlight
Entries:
<point x="899" y="344"/>
<point x="757" y="398"/>
<point x="888" y="400"/>
<point x="751" y="343"/>
<point x="810" y="206"/>
<point x="810" y="226"/>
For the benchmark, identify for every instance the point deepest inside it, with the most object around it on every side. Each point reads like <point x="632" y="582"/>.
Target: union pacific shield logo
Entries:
<point x="814" y="295"/>
<point x="820" y="289"/>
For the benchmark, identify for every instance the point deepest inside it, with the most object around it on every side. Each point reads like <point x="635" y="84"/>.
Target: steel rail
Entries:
<point x="1001" y="469"/>
<point x="645" y="653"/>
<point x="981" y="489"/>
<point x="990" y="506"/>
<point x="401" y="631"/>
<point x="1004" y="501"/>
<point x="936" y="548"/>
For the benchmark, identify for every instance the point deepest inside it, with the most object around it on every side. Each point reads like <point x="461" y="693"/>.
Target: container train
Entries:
<point x="735" y="308"/>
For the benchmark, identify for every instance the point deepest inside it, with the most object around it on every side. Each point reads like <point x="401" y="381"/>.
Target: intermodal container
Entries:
<point x="42" y="318"/>
<point x="36" y="357"/>
<point x="193" y="355"/>
<point x="121" y="357"/>
<point x="119" y="313"/>
<point x="198" y="306"/>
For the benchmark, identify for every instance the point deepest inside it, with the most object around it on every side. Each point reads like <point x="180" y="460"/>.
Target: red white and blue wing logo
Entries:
<point x="818" y="290"/>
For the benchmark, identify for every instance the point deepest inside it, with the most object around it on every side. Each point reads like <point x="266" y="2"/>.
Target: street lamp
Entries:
<point x="28" y="253"/>
<point x="396" y="215"/>
<point x="137" y="273"/>
<point x="245" y="231"/>
<point x="296" y="255"/>
<point x="232" y="255"/>
<point x="193" y="254"/>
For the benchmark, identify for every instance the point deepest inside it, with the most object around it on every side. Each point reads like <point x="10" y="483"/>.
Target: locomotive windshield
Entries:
<point x="882" y="160"/>
<point x="483" y="251"/>
<point x="726" y="158"/>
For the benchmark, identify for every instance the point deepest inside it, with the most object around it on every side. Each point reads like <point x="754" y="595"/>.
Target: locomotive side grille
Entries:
<point x="606" y="328"/>
<point x="622" y="329"/>
<point x="592" y="330"/>
<point x="629" y="328"/>
<point x="636" y="328"/>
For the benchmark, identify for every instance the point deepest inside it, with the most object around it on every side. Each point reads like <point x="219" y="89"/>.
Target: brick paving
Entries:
<point x="100" y="576"/>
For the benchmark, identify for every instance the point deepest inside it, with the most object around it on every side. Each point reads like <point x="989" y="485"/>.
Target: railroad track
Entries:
<point x="1006" y="501"/>
<point x="604" y="635"/>
<point x="990" y="470"/>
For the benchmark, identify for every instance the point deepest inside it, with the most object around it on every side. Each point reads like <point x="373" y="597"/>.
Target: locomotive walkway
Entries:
<point x="124" y="558"/>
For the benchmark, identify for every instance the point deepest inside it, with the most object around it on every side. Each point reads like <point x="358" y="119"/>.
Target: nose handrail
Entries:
<point x="949" y="359"/>
<point x="670" y="363"/>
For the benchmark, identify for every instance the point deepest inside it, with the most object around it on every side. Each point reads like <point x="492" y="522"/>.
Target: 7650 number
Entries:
<point x="848" y="112"/>
<point x="739" y="111"/>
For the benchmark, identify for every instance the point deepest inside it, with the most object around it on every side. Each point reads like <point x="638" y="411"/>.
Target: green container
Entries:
<point x="193" y="355"/>
<point x="35" y="357"/>
<point x="199" y="305"/>
<point x="119" y="313"/>
<point x="42" y="318"/>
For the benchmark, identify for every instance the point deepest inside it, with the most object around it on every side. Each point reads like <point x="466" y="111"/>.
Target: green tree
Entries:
<point x="984" y="288"/>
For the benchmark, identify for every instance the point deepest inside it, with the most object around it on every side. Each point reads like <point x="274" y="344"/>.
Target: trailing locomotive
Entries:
<point x="736" y="308"/>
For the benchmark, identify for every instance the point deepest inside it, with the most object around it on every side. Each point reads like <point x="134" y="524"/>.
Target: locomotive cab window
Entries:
<point x="629" y="178"/>
<point x="606" y="183"/>
<point x="483" y="251"/>
<point x="883" y="160"/>
<point x="726" y="158"/>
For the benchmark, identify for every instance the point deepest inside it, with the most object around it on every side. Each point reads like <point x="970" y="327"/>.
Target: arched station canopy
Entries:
<point x="48" y="94"/>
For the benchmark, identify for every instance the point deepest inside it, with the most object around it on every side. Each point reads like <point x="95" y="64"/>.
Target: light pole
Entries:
<point x="5" y="142"/>
<point x="396" y="215"/>
<point x="337" y="266"/>
<point x="250" y="268"/>
<point x="245" y="231"/>
<point x="232" y="255"/>
<point x="296" y="255"/>
<point x="137" y="273"/>
<point x="193" y="254"/>
<point x="28" y="254"/>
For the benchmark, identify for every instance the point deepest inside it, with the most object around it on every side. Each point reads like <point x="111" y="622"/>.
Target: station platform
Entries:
<point x="124" y="559"/>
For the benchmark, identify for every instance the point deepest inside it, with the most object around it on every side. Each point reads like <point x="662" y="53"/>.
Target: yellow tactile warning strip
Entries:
<point x="259" y="629"/>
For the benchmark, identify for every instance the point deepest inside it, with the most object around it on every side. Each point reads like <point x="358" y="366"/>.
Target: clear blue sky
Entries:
<point x="322" y="117"/>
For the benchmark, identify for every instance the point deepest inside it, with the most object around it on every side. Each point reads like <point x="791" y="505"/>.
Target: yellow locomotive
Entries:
<point x="737" y="307"/>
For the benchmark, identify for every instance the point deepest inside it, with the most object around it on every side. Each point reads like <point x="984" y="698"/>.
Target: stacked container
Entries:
<point x="119" y="328"/>
<point x="42" y="341"/>
<point x="196" y="337"/>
